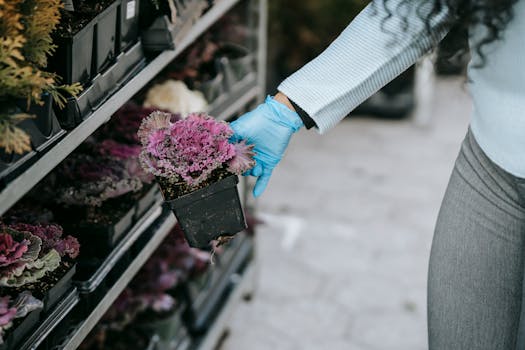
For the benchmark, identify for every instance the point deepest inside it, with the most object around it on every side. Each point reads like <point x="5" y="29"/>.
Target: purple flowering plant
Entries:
<point x="191" y="150"/>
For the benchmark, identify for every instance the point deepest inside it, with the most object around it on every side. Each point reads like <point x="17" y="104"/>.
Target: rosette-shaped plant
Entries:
<point x="51" y="236"/>
<point x="91" y="180"/>
<point x="22" y="261"/>
<point x="189" y="151"/>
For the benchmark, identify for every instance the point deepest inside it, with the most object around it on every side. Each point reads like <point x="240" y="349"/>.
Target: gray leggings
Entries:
<point x="476" y="269"/>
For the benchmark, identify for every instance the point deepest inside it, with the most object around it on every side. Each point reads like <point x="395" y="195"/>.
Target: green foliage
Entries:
<point x="13" y="139"/>
<point x="31" y="271"/>
<point x="25" y="43"/>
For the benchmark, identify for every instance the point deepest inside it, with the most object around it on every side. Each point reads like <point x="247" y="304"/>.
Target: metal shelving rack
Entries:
<point x="17" y="188"/>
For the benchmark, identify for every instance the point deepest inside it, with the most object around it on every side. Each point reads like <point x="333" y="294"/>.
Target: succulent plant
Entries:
<point x="190" y="150"/>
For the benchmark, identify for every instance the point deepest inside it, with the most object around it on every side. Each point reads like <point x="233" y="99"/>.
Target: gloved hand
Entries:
<point x="269" y="127"/>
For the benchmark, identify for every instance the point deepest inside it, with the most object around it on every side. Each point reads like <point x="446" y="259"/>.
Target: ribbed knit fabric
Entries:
<point x="498" y="94"/>
<point x="367" y="55"/>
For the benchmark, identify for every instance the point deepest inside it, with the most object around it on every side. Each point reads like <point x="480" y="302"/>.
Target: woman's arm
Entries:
<point x="367" y="55"/>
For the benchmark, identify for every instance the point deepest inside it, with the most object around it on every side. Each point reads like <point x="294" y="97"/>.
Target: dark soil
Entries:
<point x="110" y="212"/>
<point x="172" y="190"/>
<point x="85" y="10"/>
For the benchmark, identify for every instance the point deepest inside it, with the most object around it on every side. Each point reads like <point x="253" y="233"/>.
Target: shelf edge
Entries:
<point x="90" y="322"/>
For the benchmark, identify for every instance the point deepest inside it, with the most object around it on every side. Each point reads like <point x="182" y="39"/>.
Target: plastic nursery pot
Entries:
<point x="128" y="23"/>
<point x="64" y="284"/>
<point x="44" y="128"/>
<point x="73" y="57"/>
<point x="106" y="37"/>
<point x="208" y="213"/>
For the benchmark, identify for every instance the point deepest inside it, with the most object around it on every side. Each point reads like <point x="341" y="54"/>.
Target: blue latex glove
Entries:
<point x="269" y="127"/>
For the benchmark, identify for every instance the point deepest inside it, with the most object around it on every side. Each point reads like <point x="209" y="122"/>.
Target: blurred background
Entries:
<point x="348" y="216"/>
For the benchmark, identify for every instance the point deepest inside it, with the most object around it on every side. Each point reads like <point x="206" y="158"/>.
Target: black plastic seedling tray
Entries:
<point x="73" y="57"/>
<point x="106" y="33"/>
<point x="128" y="23"/>
<point x="55" y="294"/>
<point x="92" y="282"/>
<point x="164" y="35"/>
<point x="102" y="87"/>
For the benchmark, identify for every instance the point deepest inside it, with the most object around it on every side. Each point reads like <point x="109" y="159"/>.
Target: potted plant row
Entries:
<point x="98" y="47"/>
<point x="221" y="70"/>
<point x="28" y="126"/>
<point x="150" y="305"/>
<point x="93" y="193"/>
<point x="37" y="261"/>
<point x="123" y="128"/>
<point x="197" y="168"/>
<point x="165" y="22"/>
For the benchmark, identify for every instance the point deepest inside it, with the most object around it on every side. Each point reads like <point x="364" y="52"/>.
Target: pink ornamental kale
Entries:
<point x="189" y="150"/>
<point x="51" y="236"/>
<point x="10" y="250"/>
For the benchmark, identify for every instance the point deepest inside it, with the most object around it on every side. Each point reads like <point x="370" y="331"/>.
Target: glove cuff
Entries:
<point x="285" y="115"/>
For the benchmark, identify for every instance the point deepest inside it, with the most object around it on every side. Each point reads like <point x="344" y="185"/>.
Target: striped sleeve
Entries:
<point x="367" y="55"/>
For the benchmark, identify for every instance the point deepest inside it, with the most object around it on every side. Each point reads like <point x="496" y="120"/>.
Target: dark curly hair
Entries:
<point x="494" y="15"/>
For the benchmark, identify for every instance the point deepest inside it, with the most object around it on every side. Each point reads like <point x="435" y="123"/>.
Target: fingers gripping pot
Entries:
<point x="197" y="164"/>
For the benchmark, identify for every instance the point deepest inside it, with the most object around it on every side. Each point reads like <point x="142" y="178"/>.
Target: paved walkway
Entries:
<point x="349" y="219"/>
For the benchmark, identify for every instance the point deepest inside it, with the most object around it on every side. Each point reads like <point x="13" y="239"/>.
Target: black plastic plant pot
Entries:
<point x="129" y="23"/>
<point x="73" y="58"/>
<point x="149" y="197"/>
<point x="210" y="212"/>
<point x="55" y="294"/>
<point x="19" y="331"/>
<point x="98" y="240"/>
<point x="106" y="38"/>
<point x="44" y="128"/>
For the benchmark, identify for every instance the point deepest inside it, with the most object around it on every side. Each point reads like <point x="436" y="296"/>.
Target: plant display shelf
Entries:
<point x="17" y="188"/>
<point x="122" y="247"/>
<point x="243" y="286"/>
<point x="87" y="325"/>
